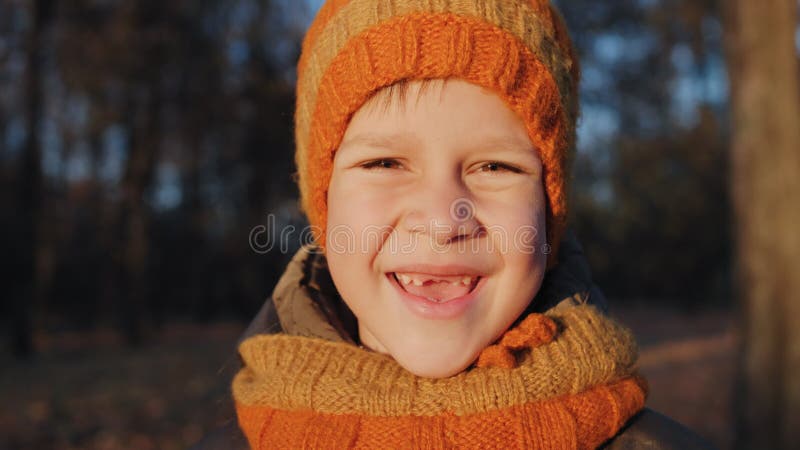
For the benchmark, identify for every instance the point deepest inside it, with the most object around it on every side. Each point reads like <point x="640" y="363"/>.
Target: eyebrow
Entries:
<point x="377" y="140"/>
<point x="504" y="143"/>
<point x="395" y="140"/>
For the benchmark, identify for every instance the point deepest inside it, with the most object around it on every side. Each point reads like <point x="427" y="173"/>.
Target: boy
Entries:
<point x="433" y="140"/>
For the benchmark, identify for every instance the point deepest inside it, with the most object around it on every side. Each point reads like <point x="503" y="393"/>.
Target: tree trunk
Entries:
<point x="134" y="215"/>
<point x="765" y="185"/>
<point x="30" y="187"/>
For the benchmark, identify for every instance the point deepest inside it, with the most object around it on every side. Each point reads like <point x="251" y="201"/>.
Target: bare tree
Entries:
<point x="30" y="182"/>
<point x="765" y="186"/>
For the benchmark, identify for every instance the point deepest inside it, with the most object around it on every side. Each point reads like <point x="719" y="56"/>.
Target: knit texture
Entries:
<point x="573" y="389"/>
<point x="517" y="48"/>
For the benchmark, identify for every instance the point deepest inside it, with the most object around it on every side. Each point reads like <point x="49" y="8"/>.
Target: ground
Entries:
<point x="87" y="391"/>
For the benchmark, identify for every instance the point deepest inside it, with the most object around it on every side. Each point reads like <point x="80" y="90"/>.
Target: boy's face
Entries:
<point x="435" y="226"/>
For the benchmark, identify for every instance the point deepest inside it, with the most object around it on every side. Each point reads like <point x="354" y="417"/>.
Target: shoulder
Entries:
<point x="229" y="436"/>
<point x="226" y="437"/>
<point x="651" y="430"/>
<point x="265" y="322"/>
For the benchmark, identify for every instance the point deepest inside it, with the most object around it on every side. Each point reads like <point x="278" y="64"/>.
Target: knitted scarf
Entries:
<point x="564" y="379"/>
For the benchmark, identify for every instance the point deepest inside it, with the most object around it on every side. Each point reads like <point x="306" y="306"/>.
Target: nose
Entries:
<point x="443" y="210"/>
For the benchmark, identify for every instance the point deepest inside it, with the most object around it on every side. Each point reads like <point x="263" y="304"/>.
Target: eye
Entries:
<point x="384" y="163"/>
<point x="492" y="167"/>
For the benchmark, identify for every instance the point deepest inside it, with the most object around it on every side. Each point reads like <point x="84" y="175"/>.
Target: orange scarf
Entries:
<point x="561" y="380"/>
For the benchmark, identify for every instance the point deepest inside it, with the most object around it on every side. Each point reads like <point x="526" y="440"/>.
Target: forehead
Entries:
<point x="400" y="93"/>
<point x="397" y="94"/>
<point x="449" y="111"/>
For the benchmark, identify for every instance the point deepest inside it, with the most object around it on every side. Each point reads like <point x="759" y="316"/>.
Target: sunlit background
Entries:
<point x="161" y="135"/>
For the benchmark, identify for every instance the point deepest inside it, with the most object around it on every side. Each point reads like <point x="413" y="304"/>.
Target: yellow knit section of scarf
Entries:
<point x="294" y="373"/>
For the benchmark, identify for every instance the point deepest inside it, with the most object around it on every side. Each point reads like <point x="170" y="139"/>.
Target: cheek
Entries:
<point x="357" y="218"/>
<point x="517" y="222"/>
<point x="354" y="215"/>
<point x="526" y="259"/>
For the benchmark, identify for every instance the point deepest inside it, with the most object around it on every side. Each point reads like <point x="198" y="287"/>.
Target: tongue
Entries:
<point x="440" y="291"/>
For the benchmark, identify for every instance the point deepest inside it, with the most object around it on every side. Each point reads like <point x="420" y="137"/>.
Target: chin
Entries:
<point x="435" y="364"/>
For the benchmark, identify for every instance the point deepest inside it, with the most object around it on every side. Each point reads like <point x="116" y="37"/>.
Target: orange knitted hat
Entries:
<point x="519" y="49"/>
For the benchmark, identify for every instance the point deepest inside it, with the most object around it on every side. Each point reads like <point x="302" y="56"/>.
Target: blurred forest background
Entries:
<point x="142" y="141"/>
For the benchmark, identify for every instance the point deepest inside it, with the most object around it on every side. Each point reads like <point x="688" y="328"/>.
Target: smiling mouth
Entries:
<point x="438" y="289"/>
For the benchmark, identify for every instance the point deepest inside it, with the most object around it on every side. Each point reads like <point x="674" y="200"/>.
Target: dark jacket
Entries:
<point x="305" y="303"/>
